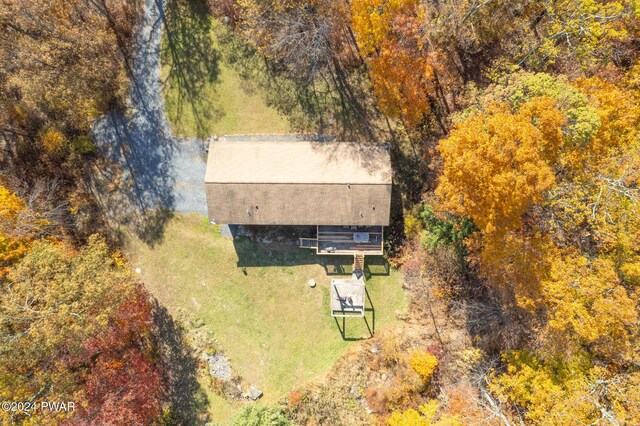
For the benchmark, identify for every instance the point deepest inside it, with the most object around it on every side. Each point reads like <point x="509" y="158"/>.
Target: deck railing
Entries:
<point x="311" y="243"/>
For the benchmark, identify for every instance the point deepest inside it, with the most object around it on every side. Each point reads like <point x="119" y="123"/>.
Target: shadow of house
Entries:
<point x="253" y="253"/>
<point x="260" y="246"/>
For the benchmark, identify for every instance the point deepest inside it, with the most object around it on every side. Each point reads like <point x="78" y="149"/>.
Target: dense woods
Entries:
<point x="515" y="134"/>
<point x="75" y="327"/>
<point x="74" y="324"/>
<point x="62" y="65"/>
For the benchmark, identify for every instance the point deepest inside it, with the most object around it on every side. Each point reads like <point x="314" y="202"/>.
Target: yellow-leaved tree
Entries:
<point x="587" y="305"/>
<point x="11" y="246"/>
<point x="548" y="170"/>
<point x="402" y="66"/>
<point x="552" y="393"/>
<point x="498" y="163"/>
<point x="426" y="415"/>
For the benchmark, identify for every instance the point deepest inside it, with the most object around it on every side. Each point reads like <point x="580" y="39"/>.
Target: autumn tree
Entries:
<point x="586" y="138"/>
<point x="581" y="31"/>
<point x="554" y="392"/>
<point x="23" y="219"/>
<point x="516" y="88"/>
<point x="497" y="164"/>
<point x="65" y="61"/>
<point x="124" y="384"/>
<point x="424" y="364"/>
<point x="62" y="64"/>
<point x="306" y="38"/>
<point x="12" y="246"/>
<point x="426" y="415"/>
<point x="563" y="249"/>
<point x="74" y="327"/>
<point x="596" y="206"/>
<point x="567" y="390"/>
<point x="403" y="66"/>
<point x="588" y="305"/>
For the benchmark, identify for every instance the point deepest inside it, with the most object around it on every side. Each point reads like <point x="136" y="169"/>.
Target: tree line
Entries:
<point x="75" y="324"/>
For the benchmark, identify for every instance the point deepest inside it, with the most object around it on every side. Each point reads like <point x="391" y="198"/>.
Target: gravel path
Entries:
<point x="159" y="171"/>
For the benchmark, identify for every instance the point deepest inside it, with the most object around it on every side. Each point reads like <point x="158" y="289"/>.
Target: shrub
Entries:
<point x="261" y="415"/>
<point x="412" y="226"/>
<point x="425" y="417"/>
<point x="407" y="418"/>
<point x="450" y="230"/>
<point x="424" y="364"/>
<point x="295" y="397"/>
<point x="83" y="145"/>
<point x="376" y="400"/>
<point x="53" y="141"/>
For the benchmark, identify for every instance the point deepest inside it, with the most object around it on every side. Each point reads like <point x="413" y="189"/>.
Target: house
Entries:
<point x="343" y="188"/>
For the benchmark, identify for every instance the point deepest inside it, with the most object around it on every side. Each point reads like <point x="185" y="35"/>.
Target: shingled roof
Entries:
<point x="266" y="182"/>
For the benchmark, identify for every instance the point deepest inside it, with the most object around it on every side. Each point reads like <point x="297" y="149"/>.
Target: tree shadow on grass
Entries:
<point x="187" y="400"/>
<point x="192" y="59"/>
<point x="337" y="102"/>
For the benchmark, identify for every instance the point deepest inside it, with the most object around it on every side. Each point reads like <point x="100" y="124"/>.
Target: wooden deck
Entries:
<point x="346" y="240"/>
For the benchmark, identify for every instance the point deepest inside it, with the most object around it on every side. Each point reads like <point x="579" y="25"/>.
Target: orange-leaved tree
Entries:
<point x="403" y="66"/>
<point x="498" y="163"/>
<point x="19" y="225"/>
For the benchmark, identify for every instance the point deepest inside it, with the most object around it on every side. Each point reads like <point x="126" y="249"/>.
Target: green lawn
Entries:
<point x="216" y="83"/>
<point x="210" y="97"/>
<point x="276" y="330"/>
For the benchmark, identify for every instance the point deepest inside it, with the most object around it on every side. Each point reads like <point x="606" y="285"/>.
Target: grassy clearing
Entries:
<point x="217" y="83"/>
<point x="229" y="106"/>
<point x="204" y="99"/>
<point x="276" y="330"/>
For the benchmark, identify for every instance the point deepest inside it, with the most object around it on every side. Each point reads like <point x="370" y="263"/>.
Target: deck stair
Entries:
<point x="358" y="262"/>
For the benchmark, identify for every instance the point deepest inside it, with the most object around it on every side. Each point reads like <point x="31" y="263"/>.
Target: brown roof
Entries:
<point x="298" y="183"/>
